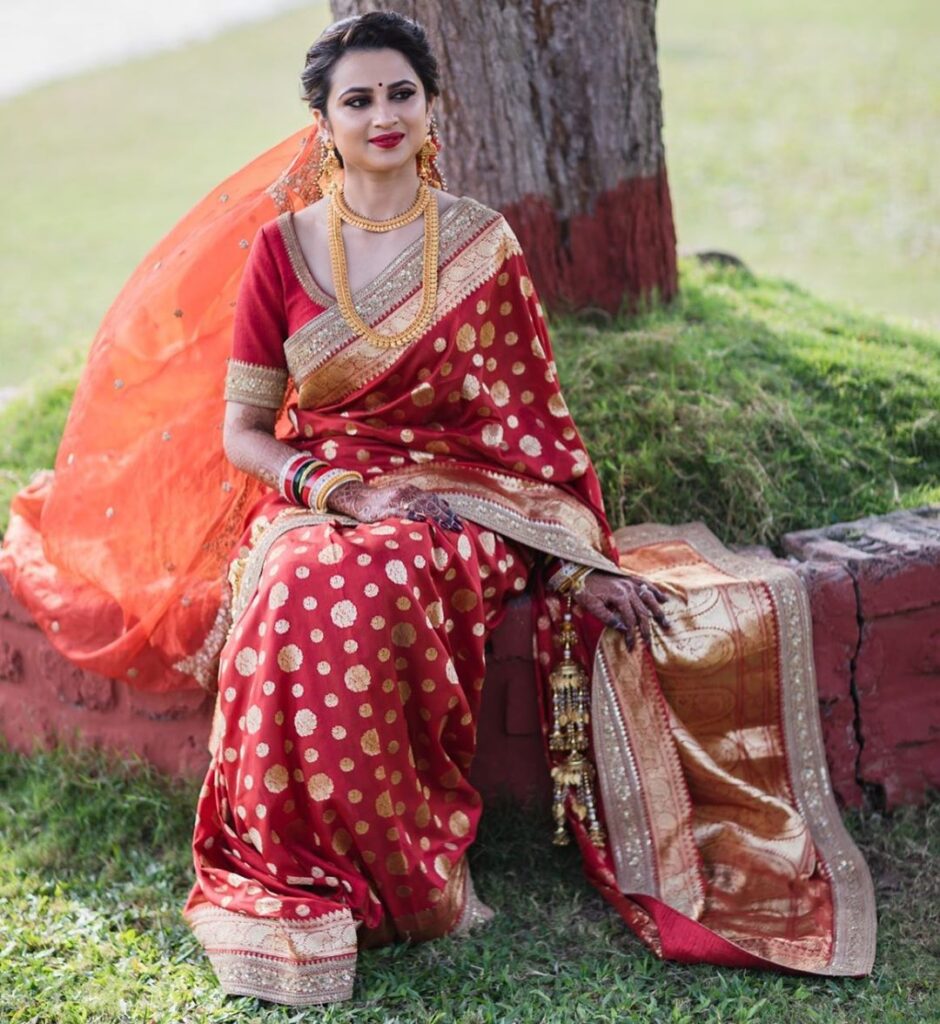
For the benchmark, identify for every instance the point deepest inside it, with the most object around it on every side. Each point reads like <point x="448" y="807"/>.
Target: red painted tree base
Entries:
<point x="874" y="589"/>
<point x="617" y="257"/>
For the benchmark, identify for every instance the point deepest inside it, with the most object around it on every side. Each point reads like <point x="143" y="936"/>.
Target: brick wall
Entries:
<point x="890" y="683"/>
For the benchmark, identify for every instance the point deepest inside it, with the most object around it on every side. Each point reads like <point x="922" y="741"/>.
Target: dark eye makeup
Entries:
<point x="404" y="93"/>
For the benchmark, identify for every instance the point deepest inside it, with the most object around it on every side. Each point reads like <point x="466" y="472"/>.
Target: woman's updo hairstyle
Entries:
<point x="376" y="30"/>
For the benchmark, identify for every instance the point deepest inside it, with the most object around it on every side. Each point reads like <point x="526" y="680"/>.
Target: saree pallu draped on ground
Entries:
<point x="724" y="841"/>
<point x="336" y="812"/>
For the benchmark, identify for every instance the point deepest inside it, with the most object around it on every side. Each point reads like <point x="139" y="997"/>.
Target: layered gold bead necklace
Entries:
<point x="339" y="212"/>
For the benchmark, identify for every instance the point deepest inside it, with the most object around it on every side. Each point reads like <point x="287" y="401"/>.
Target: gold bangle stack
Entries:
<point x="573" y="583"/>
<point x="329" y="482"/>
<point x="429" y="278"/>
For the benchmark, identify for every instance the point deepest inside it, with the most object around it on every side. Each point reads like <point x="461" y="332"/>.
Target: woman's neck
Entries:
<point x="380" y="196"/>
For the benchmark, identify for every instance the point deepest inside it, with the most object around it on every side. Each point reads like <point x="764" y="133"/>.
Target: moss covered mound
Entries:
<point x="747" y="404"/>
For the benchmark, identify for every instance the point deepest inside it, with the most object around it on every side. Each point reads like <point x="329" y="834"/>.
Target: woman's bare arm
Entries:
<point x="250" y="445"/>
<point x="249" y="441"/>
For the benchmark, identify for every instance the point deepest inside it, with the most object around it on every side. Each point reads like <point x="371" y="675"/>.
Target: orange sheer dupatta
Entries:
<point x="119" y="554"/>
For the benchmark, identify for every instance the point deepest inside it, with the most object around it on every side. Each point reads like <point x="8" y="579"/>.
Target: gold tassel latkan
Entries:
<point x="570" y="714"/>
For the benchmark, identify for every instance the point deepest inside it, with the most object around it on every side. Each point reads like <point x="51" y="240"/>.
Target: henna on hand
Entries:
<point x="371" y="503"/>
<point x="625" y="602"/>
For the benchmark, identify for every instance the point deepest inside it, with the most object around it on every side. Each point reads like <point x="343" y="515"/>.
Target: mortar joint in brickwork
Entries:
<point x="873" y="794"/>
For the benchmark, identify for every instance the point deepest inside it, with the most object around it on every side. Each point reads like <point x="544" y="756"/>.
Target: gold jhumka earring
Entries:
<point x="428" y="171"/>
<point x="329" y="170"/>
<point x="569" y="690"/>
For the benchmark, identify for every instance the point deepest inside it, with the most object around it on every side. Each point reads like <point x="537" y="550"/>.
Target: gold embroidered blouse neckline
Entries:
<point x="309" y="283"/>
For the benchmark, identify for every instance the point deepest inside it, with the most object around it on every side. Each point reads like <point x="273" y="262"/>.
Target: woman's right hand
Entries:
<point x="371" y="503"/>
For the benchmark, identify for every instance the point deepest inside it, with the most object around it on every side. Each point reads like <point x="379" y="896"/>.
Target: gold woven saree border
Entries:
<point x="297" y="963"/>
<point x="625" y="812"/>
<point x="388" y="302"/>
<point x="203" y="665"/>
<point x="254" y="384"/>
<point x="675" y="865"/>
<point x="515" y="508"/>
<point x="359" y="362"/>
<point x="854" y="918"/>
<point x="246" y="571"/>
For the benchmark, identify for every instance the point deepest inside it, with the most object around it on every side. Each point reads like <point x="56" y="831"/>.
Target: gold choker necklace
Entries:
<point x="429" y="279"/>
<point x="422" y="198"/>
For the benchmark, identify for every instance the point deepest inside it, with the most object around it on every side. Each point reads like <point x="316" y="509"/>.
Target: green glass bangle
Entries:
<point x="301" y="477"/>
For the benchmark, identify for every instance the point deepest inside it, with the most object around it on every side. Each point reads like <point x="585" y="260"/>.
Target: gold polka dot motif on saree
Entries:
<point x="322" y="775"/>
<point x="466" y="337"/>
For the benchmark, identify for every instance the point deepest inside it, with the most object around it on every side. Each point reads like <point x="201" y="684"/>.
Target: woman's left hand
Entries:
<point x="624" y="602"/>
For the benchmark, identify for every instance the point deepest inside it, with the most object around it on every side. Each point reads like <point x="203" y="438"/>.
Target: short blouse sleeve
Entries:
<point x="257" y="371"/>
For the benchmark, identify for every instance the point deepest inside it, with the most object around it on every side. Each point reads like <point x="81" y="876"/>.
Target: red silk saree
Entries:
<point x="348" y="658"/>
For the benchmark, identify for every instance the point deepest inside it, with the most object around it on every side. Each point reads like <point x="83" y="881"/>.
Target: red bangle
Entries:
<point x="297" y="474"/>
<point x="310" y="484"/>
<point x="287" y="473"/>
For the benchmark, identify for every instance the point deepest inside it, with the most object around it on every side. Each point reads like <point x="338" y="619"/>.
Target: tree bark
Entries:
<point x="551" y="112"/>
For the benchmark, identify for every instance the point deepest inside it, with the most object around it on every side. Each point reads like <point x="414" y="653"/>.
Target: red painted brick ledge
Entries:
<point x="874" y="587"/>
<point x="886" y="729"/>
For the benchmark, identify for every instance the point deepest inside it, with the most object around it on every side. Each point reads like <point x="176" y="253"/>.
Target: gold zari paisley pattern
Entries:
<point x="778" y="840"/>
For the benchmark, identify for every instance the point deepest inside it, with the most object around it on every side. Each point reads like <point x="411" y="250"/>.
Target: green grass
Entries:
<point x="805" y="137"/>
<point x="95" y="867"/>
<point x="756" y="407"/>
<point x="748" y="404"/>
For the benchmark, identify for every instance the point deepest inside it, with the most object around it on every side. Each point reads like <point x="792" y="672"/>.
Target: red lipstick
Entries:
<point x="388" y="141"/>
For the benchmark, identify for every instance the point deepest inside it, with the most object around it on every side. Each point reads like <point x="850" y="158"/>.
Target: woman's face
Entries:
<point x="375" y="93"/>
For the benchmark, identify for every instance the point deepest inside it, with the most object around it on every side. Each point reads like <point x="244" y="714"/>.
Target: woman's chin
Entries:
<point x="387" y="160"/>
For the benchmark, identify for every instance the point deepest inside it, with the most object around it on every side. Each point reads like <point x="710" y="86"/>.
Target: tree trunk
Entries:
<point x="551" y="112"/>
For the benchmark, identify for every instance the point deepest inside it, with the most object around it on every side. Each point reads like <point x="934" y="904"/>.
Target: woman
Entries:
<point x="407" y="463"/>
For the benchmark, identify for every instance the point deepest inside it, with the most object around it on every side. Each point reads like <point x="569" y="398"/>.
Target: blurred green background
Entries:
<point x="805" y="138"/>
<point x="801" y="137"/>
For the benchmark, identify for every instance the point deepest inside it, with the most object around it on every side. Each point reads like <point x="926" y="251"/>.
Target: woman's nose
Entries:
<point x="384" y="114"/>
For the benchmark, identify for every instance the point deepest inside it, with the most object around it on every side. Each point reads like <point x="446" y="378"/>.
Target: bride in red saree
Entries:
<point x="342" y="620"/>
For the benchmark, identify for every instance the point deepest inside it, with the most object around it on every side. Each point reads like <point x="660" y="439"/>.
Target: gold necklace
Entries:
<point x="429" y="281"/>
<point x="421" y="200"/>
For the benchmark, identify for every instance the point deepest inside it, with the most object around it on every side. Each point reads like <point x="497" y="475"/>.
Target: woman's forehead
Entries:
<point x="370" y="69"/>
